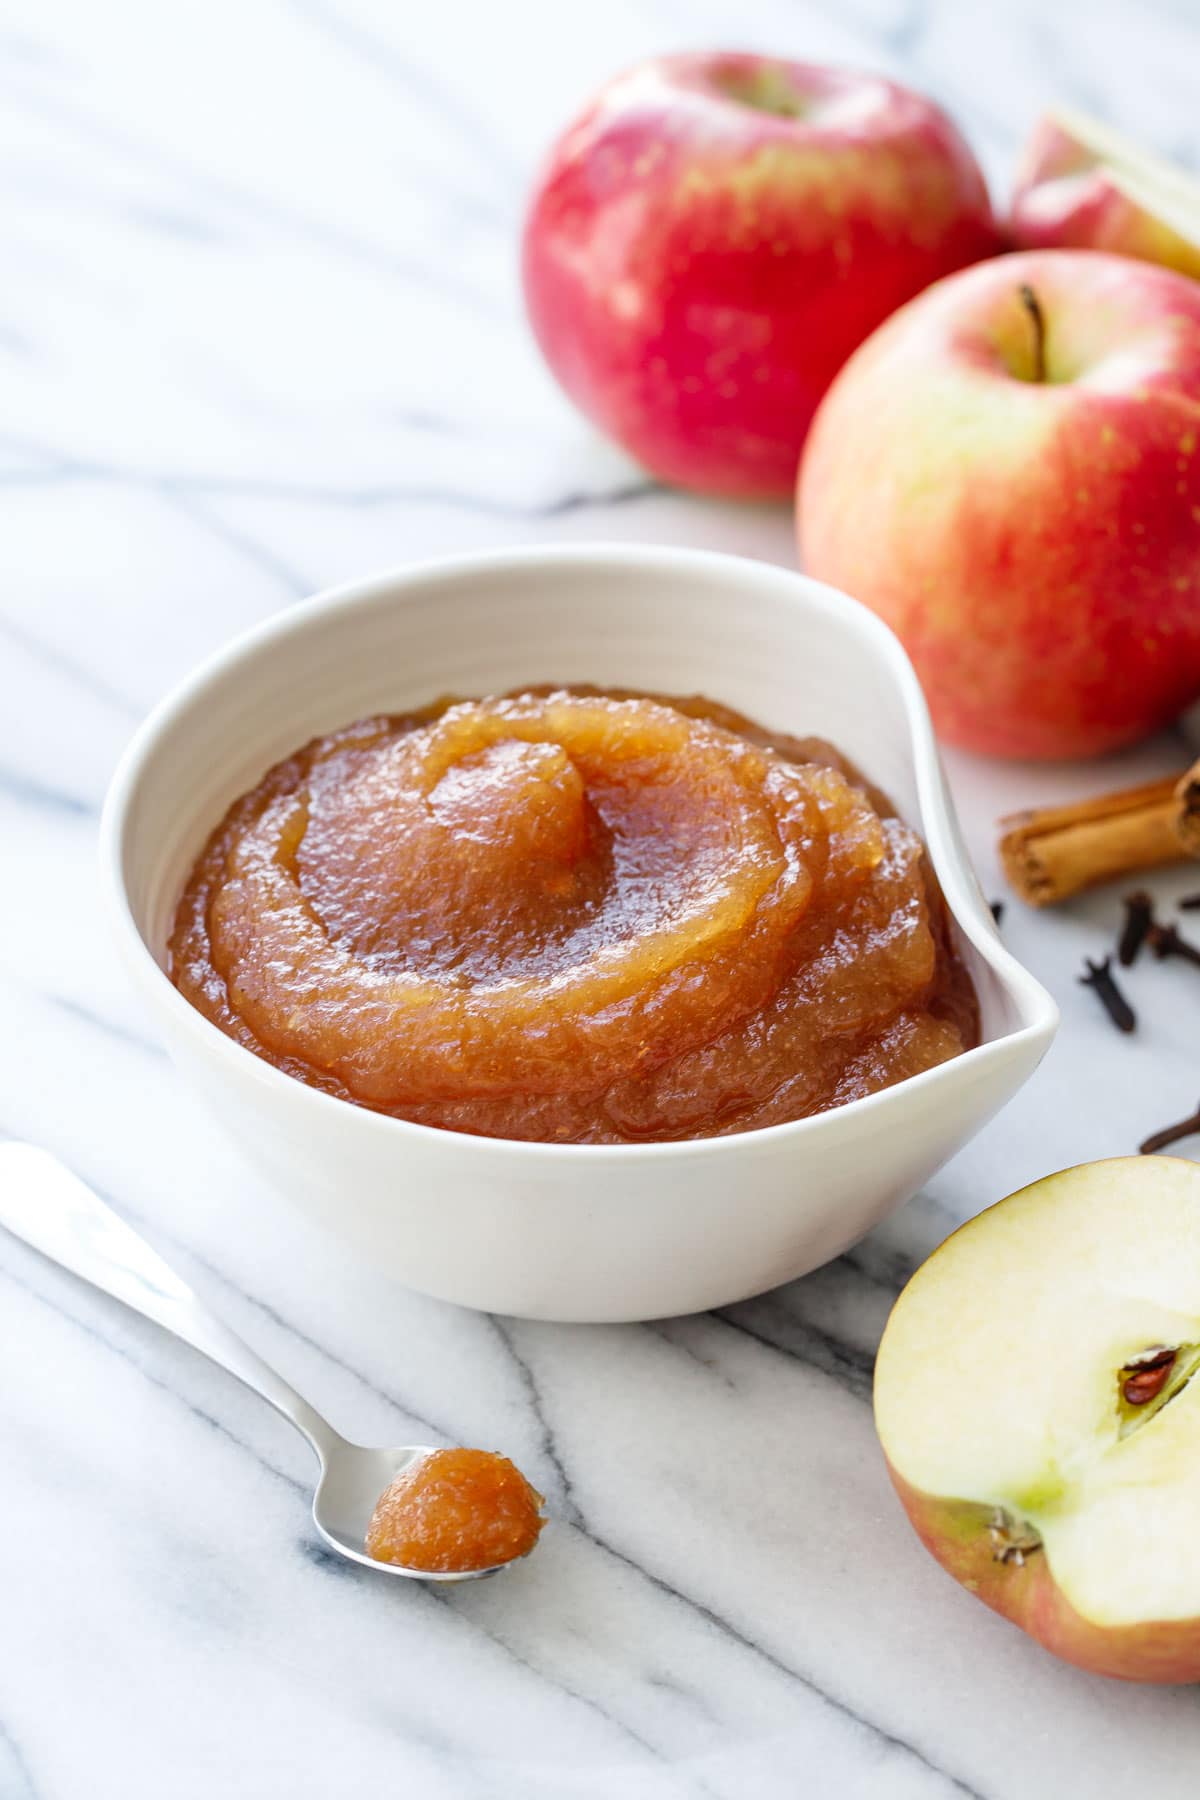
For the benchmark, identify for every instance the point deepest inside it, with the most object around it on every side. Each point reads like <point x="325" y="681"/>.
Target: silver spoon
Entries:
<point x="47" y="1206"/>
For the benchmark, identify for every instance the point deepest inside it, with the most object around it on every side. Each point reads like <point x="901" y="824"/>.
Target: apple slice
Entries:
<point x="1084" y="185"/>
<point x="1035" y="1400"/>
<point x="1174" y="206"/>
<point x="1095" y="141"/>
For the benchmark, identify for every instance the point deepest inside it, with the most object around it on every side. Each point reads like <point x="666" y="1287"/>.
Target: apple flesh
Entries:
<point x="716" y="233"/>
<point x="1008" y="472"/>
<point x="1003" y="1405"/>
<point x="1083" y="185"/>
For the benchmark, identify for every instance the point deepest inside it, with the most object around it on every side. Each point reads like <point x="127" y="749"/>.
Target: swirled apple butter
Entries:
<point x="577" y="917"/>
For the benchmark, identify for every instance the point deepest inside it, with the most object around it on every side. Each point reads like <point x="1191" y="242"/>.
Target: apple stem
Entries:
<point x="1033" y="307"/>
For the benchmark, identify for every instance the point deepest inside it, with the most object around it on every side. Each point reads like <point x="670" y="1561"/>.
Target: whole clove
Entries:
<point x="1190" y="903"/>
<point x="996" y="908"/>
<point x="1101" y="980"/>
<point x="1165" y="941"/>
<point x="1171" y="1134"/>
<point x="1139" y="923"/>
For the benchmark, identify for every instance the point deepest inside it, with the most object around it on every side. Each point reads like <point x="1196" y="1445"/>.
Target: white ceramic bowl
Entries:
<point x="565" y="1231"/>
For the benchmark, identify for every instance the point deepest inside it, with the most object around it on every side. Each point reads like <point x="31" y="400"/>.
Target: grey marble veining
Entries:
<point x="260" y="332"/>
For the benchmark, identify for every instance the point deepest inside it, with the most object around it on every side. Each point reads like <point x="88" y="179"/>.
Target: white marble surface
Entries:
<point x="259" y="332"/>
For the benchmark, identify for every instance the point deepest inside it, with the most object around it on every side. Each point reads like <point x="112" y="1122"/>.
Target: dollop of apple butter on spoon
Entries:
<point x="454" y="1511"/>
<point x="417" y="1511"/>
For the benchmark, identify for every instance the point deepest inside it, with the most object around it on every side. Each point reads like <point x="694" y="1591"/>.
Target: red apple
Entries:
<point x="1037" y="1402"/>
<point x="715" y="234"/>
<point x="1084" y="185"/>
<point x="1008" y="472"/>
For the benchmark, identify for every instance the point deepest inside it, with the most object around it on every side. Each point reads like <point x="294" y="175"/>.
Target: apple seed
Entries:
<point x="1147" y="1375"/>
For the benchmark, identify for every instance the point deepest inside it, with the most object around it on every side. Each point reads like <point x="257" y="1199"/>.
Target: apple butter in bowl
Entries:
<point x="574" y="916"/>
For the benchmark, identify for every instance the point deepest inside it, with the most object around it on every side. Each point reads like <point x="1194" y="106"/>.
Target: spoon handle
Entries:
<point x="47" y="1206"/>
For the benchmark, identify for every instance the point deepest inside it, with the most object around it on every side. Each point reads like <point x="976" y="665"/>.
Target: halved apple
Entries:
<point x="1035" y="1400"/>
<point x="1084" y="185"/>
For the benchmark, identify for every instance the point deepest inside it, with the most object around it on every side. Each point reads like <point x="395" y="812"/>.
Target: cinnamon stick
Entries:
<point x="1187" y="810"/>
<point x="1056" y="851"/>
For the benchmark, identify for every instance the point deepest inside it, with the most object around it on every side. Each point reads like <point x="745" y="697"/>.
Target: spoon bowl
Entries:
<point x="46" y="1206"/>
<point x="353" y="1476"/>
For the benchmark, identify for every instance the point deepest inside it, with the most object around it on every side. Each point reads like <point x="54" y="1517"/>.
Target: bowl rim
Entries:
<point x="1036" y="1008"/>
